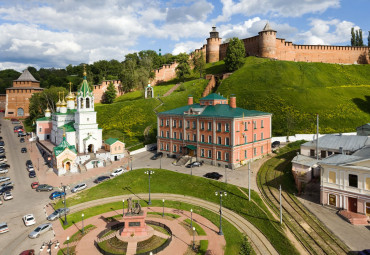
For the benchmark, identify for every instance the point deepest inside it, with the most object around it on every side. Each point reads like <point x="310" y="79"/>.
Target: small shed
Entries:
<point x="115" y="147"/>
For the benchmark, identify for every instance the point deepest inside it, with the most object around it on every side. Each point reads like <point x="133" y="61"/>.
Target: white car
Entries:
<point x="4" y="228"/>
<point x="8" y="196"/>
<point x="118" y="171"/>
<point x="4" y="179"/>
<point x="30" y="168"/>
<point x="3" y="171"/>
<point x="29" y="220"/>
<point x="79" y="187"/>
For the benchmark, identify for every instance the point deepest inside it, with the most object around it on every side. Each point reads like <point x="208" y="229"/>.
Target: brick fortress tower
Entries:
<point x="267" y="42"/>
<point x="213" y="46"/>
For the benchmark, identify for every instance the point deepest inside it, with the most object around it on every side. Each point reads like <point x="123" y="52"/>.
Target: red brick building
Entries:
<point x="215" y="131"/>
<point x="18" y="96"/>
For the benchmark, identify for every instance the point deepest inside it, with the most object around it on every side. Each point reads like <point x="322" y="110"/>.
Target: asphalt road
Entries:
<point x="25" y="200"/>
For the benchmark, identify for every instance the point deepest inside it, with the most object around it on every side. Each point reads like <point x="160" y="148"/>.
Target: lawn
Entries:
<point x="198" y="229"/>
<point x="164" y="181"/>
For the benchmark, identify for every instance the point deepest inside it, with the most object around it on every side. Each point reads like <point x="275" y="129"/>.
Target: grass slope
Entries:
<point x="295" y="91"/>
<point x="164" y="181"/>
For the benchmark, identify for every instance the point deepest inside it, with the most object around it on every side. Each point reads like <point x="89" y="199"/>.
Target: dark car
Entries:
<point x="2" y="143"/>
<point x="21" y="134"/>
<point x="2" y="150"/>
<point x="22" y="140"/>
<point x="213" y="175"/>
<point x="153" y="148"/>
<point x="4" y="165"/>
<point x="275" y="144"/>
<point x="194" y="164"/>
<point x="6" y="189"/>
<point x="24" y="150"/>
<point x="44" y="187"/>
<point x="28" y="163"/>
<point x="157" y="156"/>
<point x="364" y="252"/>
<point x="1" y="138"/>
<point x="101" y="179"/>
<point x="56" y="194"/>
<point x="32" y="174"/>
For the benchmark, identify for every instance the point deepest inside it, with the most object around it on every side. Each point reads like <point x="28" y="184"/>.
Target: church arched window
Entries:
<point x="87" y="102"/>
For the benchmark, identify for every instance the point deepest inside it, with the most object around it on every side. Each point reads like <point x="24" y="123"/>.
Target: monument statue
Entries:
<point x="136" y="209"/>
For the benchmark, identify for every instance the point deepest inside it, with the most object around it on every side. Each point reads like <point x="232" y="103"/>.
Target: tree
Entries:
<point x="357" y="39"/>
<point x="183" y="68"/>
<point x="234" y="55"/>
<point x="199" y="62"/>
<point x="353" y="37"/>
<point x="110" y="94"/>
<point x="360" y="41"/>
<point x="368" y="40"/>
<point x="245" y="248"/>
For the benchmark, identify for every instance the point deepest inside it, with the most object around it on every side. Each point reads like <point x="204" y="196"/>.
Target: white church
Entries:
<point x="74" y="131"/>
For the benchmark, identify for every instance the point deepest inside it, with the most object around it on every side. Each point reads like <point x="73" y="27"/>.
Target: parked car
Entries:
<point x="275" y="144"/>
<point x="4" y="179"/>
<point x="194" y="164"/>
<point x="1" y="138"/>
<point x="101" y="179"/>
<point x="1" y="201"/>
<point x="28" y="252"/>
<point x="34" y="185"/>
<point x="364" y="252"/>
<point x="22" y="140"/>
<point x="3" y="171"/>
<point x="56" y="194"/>
<point x="3" y="227"/>
<point x="57" y="213"/>
<point x="24" y="150"/>
<point x="2" y="150"/>
<point x="157" y="156"/>
<point x="16" y="122"/>
<point x="6" y="189"/>
<point x="21" y="134"/>
<point x="2" y="143"/>
<point x="44" y="187"/>
<point x="17" y="127"/>
<point x="29" y="163"/>
<point x="6" y="184"/>
<point x="40" y="230"/>
<point x="7" y="196"/>
<point x="79" y="187"/>
<point x="213" y="175"/>
<point x="153" y="148"/>
<point x="19" y="131"/>
<point x="29" y="220"/>
<point x="30" y="168"/>
<point x="32" y="174"/>
<point x="4" y="165"/>
<point x="3" y="160"/>
<point x="116" y="172"/>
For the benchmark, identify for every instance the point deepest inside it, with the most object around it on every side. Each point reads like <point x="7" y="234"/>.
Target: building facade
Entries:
<point x="215" y="131"/>
<point x="18" y="96"/>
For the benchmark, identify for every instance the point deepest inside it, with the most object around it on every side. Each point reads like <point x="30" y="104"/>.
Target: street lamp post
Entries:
<point x="160" y="162"/>
<point x="221" y="194"/>
<point x="49" y="245"/>
<point x="65" y="212"/>
<point x="83" y="230"/>
<point x="123" y="207"/>
<point x="163" y="209"/>
<point x="193" y="238"/>
<point x="225" y="174"/>
<point x="191" y="167"/>
<point x="149" y="173"/>
<point x="67" y="245"/>
<point x="131" y="162"/>
<point x="191" y="218"/>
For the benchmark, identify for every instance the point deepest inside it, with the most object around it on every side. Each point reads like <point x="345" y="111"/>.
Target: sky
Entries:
<point x="56" y="33"/>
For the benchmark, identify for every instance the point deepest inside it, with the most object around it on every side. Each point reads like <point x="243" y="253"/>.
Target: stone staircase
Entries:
<point x="182" y="161"/>
<point x="82" y="168"/>
<point x="172" y="90"/>
<point x="131" y="248"/>
<point x="353" y="218"/>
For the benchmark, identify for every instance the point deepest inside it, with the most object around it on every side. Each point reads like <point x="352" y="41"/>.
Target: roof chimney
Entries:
<point x="340" y="150"/>
<point x="232" y="101"/>
<point x="190" y="100"/>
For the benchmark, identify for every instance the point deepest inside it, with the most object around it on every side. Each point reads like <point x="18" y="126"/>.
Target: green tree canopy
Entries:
<point x="110" y="94"/>
<point x="183" y="69"/>
<point x="234" y="54"/>
<point x="199" y="62"/>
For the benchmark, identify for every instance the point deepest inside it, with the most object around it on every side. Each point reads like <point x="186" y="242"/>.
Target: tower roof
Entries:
<point x="62" y="146"/>
<point x="267" y="27"/>
<point x="85" y="88"/>
<point x="26" y="76"/>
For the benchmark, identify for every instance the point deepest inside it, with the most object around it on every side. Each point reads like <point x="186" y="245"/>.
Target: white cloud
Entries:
<point x="284" y="8"/>
<point x="187" y="47"/>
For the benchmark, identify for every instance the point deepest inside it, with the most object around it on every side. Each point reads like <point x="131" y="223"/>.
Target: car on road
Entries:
<point x="79" y="187"/>
<point x="3" y="227"/>
<point x="153" y="148"/>
<point x="157" y="156"/>
<point x="194" y="164"/>
<point x="40" y="230"/>
<point x="364" y="252"/>
<point x="3" y="160"/>
<point x="28" y="252"/>
<point x="21" y="134"/>
<point x="3" y="171"/>
<point x="57" y="213"/>
<point x="30" y="168"/>
<point x="19" y="130"/>
<point x="29" y="163"/>
<point x="44" y="187"/>
<point x="4" y="179"/>
<point x="34" y="185"/>
<point x="29" y="220"/>
<point x="32" y="174"/>
<point x="213" y="175"/>
<point x="6" y="189"/>
<point x="101" y="179"/>
<point x="22" y="140"/>
<point x="16" y="122"/>
<point x="2" y="143"/>
<point x="116" y="172"/>
<point x="56" y="194"/>
<point x="2" y="150"/>
<point x="6" y="184"/>
<point x="275" y="144"/>
<point x="24" y="150"/>
<point x="4" y="165"/>
<point x="7" y="196"/>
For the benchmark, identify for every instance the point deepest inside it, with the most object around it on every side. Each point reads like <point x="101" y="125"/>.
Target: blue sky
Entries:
<point x="55" y="33"/>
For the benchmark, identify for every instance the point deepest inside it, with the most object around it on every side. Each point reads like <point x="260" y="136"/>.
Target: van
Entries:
<point x="4" y="227"/>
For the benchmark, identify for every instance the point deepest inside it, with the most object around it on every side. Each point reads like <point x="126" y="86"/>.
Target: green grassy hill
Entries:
<point x="295" y="91"/>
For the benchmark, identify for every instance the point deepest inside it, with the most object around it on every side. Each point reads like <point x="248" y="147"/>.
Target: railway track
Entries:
<point x="308" y="230"/>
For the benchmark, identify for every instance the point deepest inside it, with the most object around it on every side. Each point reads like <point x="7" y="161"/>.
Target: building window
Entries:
<point x="167" y="123"/>
<point x="162" y="134"/>
<point x="312" y="153"/>
<point x="332" y="200"/>
<point x="245" y="139"/>
<point x="167" y="146"/>
<point x="227" y="127"/>
<point x="262" y="124"/>
<point x="180" y="123"/>
<point x="40" y="129"/>
<point x="180" y="136"/>
<point x="245" y="154"/>
<point x="202" y="125"/>
<point x="202" y="153"/>
<point x="226" y="156"/>
<point x="261" y="136"/>
<point x="174" y="123"/>
<point x="161" y="122"/>
<point x="174" y="135"/>
<point x="209" y="139"/>
<point x="174" y="148"/>
<point x="255" y="137"/>
<point x="245" y="126"/>
<point x="194" y="125"/>
<point x="367" y="208"/>
<point x="227" y="141"/>
<point x="187" y="124"/>
<point x="219" y="155"/>
<point x="332" y="177"/>
<point x="255" y="151"/>
<point x="218" y="127"/>
<point x="353" y="180"/>
<point x="368" y="183"/>
<point x="161" y="146"/>
<point x="194" y="137"/>
<point x="254" y="124"/>
<point x="219" y="140"/>
<point x="261" y="149"/>
<point x="180" y="149"/>
<point x="188" y="137"/>
<point x="202" y="139"/>
<point x="209" y="126"/>
<point x="168" y="134"/>
<point x="209" y="153"/>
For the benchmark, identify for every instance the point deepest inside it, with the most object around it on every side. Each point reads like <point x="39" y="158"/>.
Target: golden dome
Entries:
<point x="58" y="104"/>
<point x="70" y="97"/>
<point x="63" y="103"/>
<point x="47" y="109"/>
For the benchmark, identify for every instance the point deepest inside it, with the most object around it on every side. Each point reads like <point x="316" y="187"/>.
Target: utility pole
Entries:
<point x="281" y="208"/>
<point x="249" y="181"/>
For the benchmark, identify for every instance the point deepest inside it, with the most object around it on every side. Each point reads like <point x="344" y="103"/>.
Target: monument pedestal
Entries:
<point x="135" y="225"/>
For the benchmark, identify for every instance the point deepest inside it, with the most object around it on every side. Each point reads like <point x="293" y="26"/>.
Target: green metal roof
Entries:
<point x="69" y="111"/>
<point x="85" y="89"/>
<point x="191" y="147"/>
<point x="218" y="110"/>
<point x="68" y="127"/>
<point x="44" y="119"/>
<point x="213" y="96"/>
<point x="62" y="146"/>
<point x="111" y="141"/>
